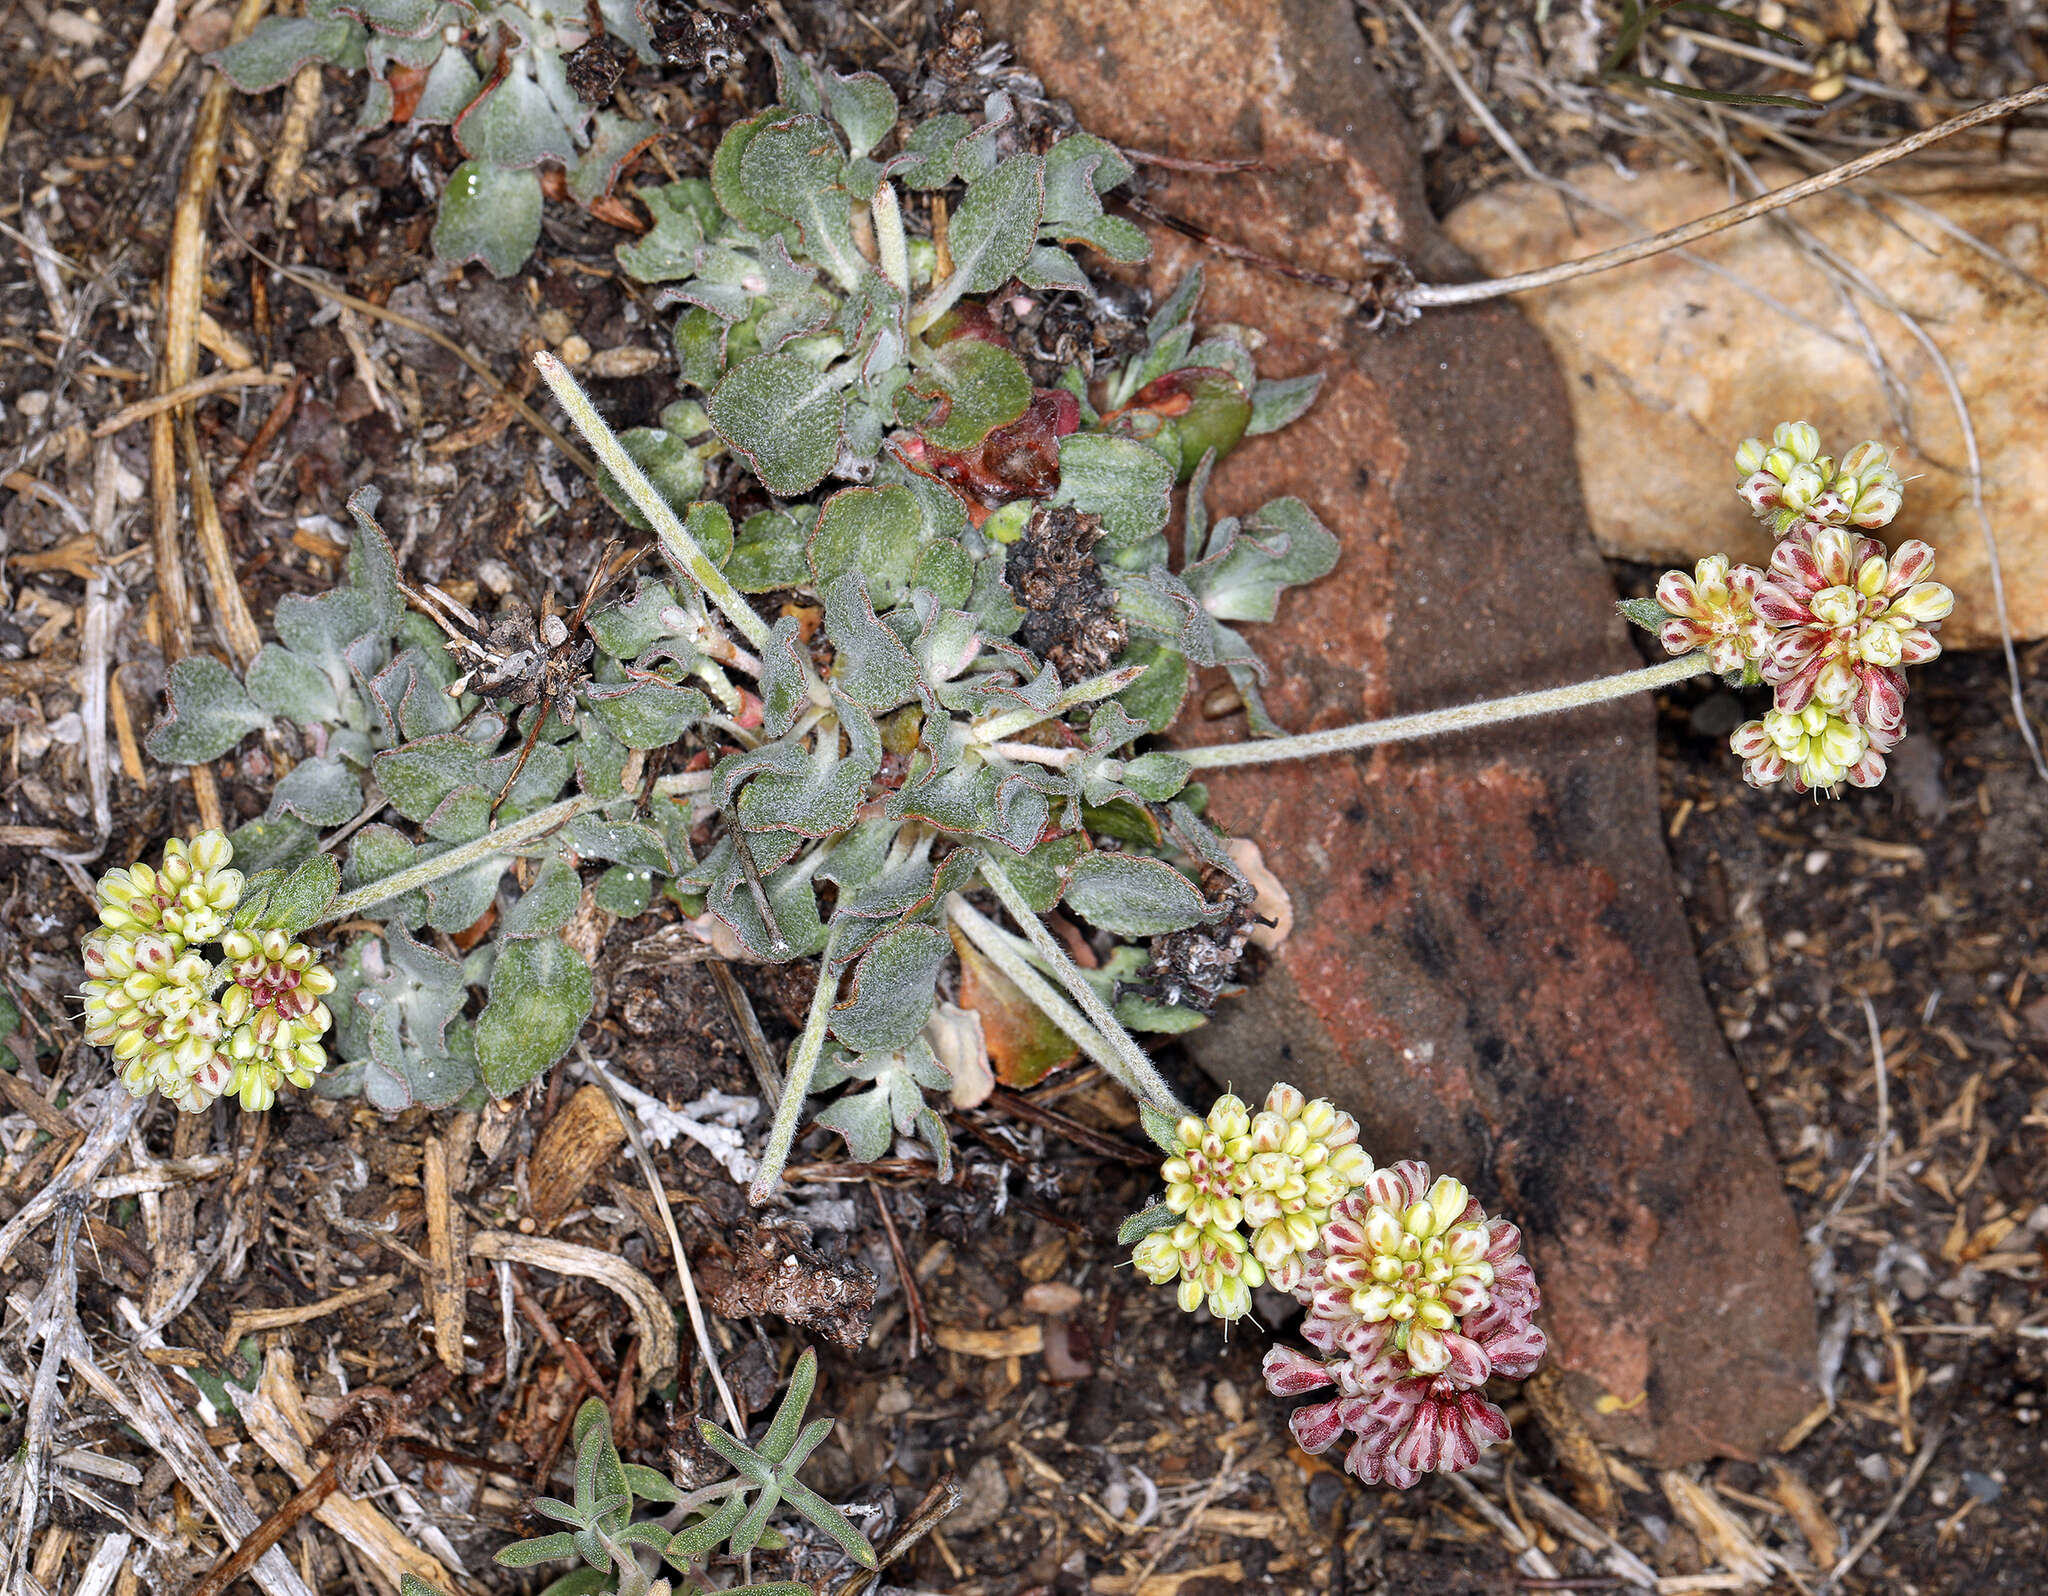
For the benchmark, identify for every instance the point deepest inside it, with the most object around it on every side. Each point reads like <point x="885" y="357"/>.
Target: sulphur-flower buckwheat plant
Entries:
<point x="150" y="990"/>
<point x="1415" y="1297"/>
<point x="1829" y="626"/>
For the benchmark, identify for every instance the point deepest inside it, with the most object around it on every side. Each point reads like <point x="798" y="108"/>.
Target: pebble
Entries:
<point x="575" y="350"/>
<point x="556" y="325"/>
<point x="895" y="1399"/>
<point x="1228" y="1402"/>
<point x="33" y="403"/>
<point x="1051" y="1298"/>
<point x="984" y="1498"/>
<point x="1982" y="1486"/>
<point x="495" y="575"/>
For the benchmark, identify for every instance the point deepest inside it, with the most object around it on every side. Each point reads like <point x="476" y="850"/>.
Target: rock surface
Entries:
<point x="1488" y="964"/>
<point x="1667" y="366"/>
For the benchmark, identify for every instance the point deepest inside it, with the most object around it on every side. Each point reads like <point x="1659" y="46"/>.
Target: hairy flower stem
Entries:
<point x="796" y="1082"/>
<point x="676" y="542"/>
<point x="507" y="838"/>
<point x="1435" y="722"/>
<point x="1133" y="1070"/>
<point x="1005" y="953"/>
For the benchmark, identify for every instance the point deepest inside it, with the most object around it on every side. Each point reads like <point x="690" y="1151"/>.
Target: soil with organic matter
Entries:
<point x="1878" y="965"/>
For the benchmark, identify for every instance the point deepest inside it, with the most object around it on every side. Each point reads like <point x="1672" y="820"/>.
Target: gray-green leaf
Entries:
<point x="540" y="995"/>
<point x="1129" y="895"/>
<point x="209" y="713"/>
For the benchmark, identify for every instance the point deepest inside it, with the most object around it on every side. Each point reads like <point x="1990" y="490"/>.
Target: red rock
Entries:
<point x="1489" y="966"/>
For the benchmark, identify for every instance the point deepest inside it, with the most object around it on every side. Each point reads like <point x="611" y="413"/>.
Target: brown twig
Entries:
<point x="272" y="1530"/>
<point x="242" y="479"/>
<point x="1189" y="163"/>
<point x="1422" y="296"/>
<point x="913" y="1299"/>
<point x="753" y="1040"/>
<point x="187" y="393"/>
<point x="1251" y="257"/>
<point x="563" y="1348"/>
<point x="1021" y="1107"/>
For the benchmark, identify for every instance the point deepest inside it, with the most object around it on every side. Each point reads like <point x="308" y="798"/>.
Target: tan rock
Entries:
<point x="1670" y="366"/>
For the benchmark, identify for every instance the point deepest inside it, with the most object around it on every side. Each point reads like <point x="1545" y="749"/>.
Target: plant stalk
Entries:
<point x="1003" y="953"/>
<point x="1137" y="1075"/>
<point x="796" y="1082"/>
<point x="676" y="542"/>
<point x="506" y="839"/>
<point x="1436" y="722"/>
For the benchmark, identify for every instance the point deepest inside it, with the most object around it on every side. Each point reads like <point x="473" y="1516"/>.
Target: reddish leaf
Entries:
<point x="1023" y="1045"/>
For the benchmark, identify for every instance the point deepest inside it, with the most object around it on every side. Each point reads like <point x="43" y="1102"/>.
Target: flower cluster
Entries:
<point x="150" y="993"/>
<point x="1415" y="1298"/>
<point x="1831" y="623"/>
<point x="1280" y="1170"/>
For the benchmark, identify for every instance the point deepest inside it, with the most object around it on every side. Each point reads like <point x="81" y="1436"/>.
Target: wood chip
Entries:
<point x="252" y="1320"/>
<point x="445" y="1284"/>
<point x="582" y="1139"/>
<point x="1719" y="1533"/>
<point x="1166" y="1584"/>
<point x="31" y="1102"/>
<point x="1020" y="1341"/>
<point x="1823" y="1540"/>
<point x="276" y="1416"/>
<point x="1250" y="1525"/>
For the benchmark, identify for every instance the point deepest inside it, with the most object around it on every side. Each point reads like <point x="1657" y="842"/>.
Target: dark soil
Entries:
<point x="1098" y="1434"/>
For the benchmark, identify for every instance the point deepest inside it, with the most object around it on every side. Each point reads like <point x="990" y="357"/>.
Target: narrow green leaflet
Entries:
<point x="994" y="232"/>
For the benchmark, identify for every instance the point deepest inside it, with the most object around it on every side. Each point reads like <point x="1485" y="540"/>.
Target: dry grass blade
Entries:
<point x="109" y="1131"/>
<point x="1720" y="1535"/>
<point x="198" y="388"/>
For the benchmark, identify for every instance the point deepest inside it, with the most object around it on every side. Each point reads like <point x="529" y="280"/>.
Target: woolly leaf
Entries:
<point x="793" y="168"/>
<point x="1119" y="479"/>
<point x="870" y="531"/>
<point x="513" y="124"/>
<point x="1129" y="895"/>
<point x="1049" y="266"/>
<point x="285" y="684"/>
<point x="894" y="984"/>
<point x="994" y="231"/>
<point x="523" y="1554"/>
<point x="647" y="714"/>
<point x="865" y="109"/>
<point x="321" y="792"/>
<point x="731" y="192"/>
<point x="451" y="86"/>
<point x="1163" y="1128"/>
<point x="627" y="630"/>
<point x="299" y="899"/>
<point x="490" y="215"/>
<point x="209" y="713"/>
<point x="928" y="151"/>
<point x="981" y="387"/>
<point x="540" y="995"/>
<point x="874" y="668"/>
<point x="545" y="907"/>
<point x="769" y="553"/>
<point x="1277" y="402"/>
<point x="1140" y="1225"/>
<point x="783" y="417"/>
<point x="1646" y="613"/>
<point x="278" y="46"/>
<point x="1157" y="776"/>
<point x="1281" y="545"/>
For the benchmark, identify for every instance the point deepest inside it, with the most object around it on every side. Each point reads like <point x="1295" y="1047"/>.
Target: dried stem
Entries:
<point x="1435" y="722"/>
<point x="1133" y="1067"/>
<point x="1423" y="296"/>
<point x="706" y="1347"/>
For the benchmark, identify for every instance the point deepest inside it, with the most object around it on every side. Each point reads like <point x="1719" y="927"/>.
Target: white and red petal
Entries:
<point x="1316" y="1426"/>
<point x="1466" y="1362"/>
<point x="1290" y="1373"/>
<point x="1677" y="592"/>
<point x="1783" y="603"/>
<point x="1867" y="771"/>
